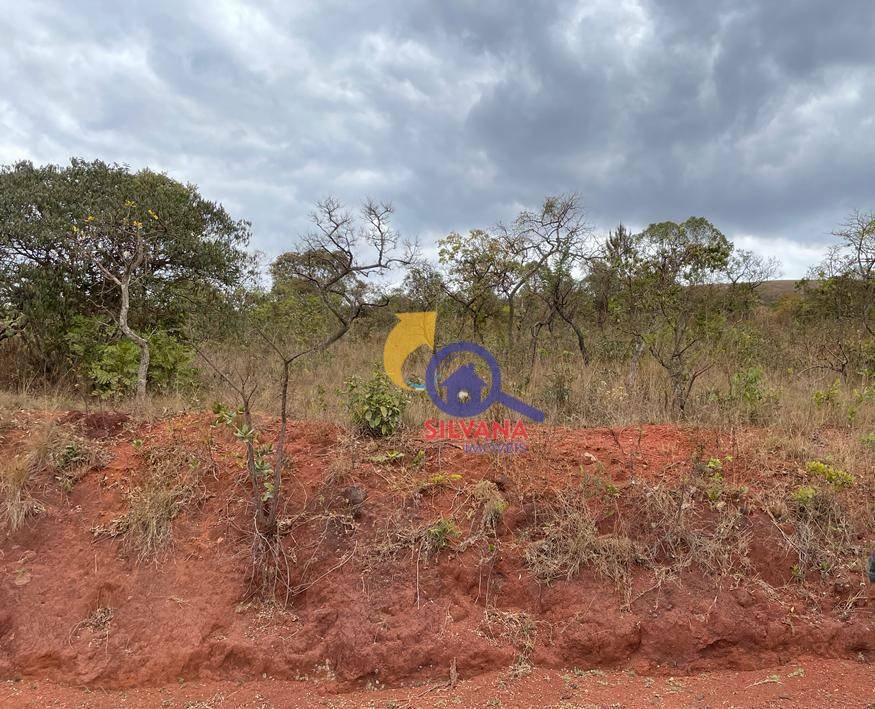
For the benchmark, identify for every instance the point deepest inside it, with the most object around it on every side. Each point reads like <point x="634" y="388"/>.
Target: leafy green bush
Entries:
<point x="747" y="387"/>
<point x="803" y="495"/>
<point x="827" y="397"/>
<point x="376" y="404"/>
<point x="859" y="397"/>
<point x="438" y="535"/>
<point x="835" y="477"/>
<point x="109" y="364"/>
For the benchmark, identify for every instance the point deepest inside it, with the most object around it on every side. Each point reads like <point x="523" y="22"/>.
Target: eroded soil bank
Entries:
<point x="407" y="563"/>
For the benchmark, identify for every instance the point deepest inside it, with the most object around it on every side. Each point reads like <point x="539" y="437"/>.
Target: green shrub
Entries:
<point x="714" y="490"/>
<point x="803" y="495"/>
<point x="438" y="535"/>
<point x="387" y="457"/>
<point x="713" y="482"/>
<point x="747" y="387"/>
<point x="859" y="398"/>
<point x="440" y="479"/>
<point x="827" y="397"/>
<point x="109" y="363"/>
<point x="376" y="404"/>
<point x="835" y="477"/>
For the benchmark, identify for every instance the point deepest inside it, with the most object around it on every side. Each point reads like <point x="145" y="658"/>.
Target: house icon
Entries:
<point x="464" y="386"/>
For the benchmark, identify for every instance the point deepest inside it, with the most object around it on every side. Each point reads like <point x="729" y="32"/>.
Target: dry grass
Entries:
<point x="825" y="525"/>
<point x="16" y="502"/>
<point x="674" y="528"/>
<point x="570" y="541"/>
<point x="424" y="541"/>
<point x="517" y="628"/>
<point x="98" y="623"/>
<point x="172" y="483"/>
<point x="823" y="535"/>
<point x="599" y="394"/>
<point x="491" y="502"/>
<point x="53" y="452"/>
<point x="687" y="532"/>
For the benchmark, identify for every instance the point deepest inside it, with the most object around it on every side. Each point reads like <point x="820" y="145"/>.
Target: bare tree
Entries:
<point x="839" y="296"/>
<point x="855" y="258"/>
<point x="553" y="239"/>
<point x="333" y="265"/>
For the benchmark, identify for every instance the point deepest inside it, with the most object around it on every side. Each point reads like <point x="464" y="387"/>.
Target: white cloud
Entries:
<point x="757" y="115"/>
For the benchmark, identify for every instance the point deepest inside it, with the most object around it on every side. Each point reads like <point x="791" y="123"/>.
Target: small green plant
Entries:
<point x="440" y="480"/>
<point x="859" y="397"/>
<point x="419" y="458"/>
<point x="598" y="485"/>
<point x="387" y="457"/>
<point x="52" y="450"/>
<point x="716" y="464"/>
<point x="714" y="491"/>
<point x="69" y="462"/>
<point x="610" y="490"/>
<point x="233" y="419"/>
<point x="714" y="484"/>
<point x="264" y="470"/>
<point x="803" y="495"/>
<point x="376" y="404"/>
<point x="438" y="535"/>
<point x="827" y="397"/>
<point x="489" y="496"/>
<point x="868" y="440"/>
<point x="746" y="386"/>
<point x="834" y="476"/>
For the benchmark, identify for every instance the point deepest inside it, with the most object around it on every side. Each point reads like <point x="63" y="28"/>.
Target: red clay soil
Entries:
<point x="842" y="684"/>
<point x="83" y="622"/>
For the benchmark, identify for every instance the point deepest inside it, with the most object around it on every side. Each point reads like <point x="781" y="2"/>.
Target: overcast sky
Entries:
<point x="755" y="114"/>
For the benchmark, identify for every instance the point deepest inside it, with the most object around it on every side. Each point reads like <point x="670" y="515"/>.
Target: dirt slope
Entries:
<point x="372" y="606"/>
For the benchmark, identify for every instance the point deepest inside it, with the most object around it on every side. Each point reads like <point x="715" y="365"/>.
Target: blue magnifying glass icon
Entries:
<point x="465" y="381"/>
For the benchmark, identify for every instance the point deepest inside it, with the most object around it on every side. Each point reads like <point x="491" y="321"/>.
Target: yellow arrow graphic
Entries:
<point x="410" y="332"/>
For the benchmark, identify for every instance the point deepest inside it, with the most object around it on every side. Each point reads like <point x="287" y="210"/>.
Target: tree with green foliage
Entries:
<point x="95" y="239"/>
<point x="673" y="298"/>
<point x="489" y="271"/>
<point x="839" y="295"/>
<point x="476" y="265"/>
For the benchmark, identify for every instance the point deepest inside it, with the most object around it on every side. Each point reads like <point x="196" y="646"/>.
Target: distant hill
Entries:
<point x="772" y="291"/>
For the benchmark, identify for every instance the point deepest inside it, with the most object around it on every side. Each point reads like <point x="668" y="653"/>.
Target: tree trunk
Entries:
<point x="141" y="342"/>
<point x="632" y="376"/>
<point x="273" y="507"/>
<point x="581" y="340"/>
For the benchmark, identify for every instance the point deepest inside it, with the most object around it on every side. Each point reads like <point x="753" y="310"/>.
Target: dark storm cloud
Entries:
<point x="758" y="115"/>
